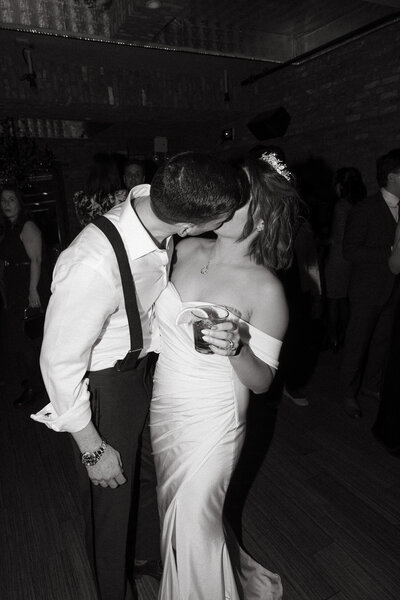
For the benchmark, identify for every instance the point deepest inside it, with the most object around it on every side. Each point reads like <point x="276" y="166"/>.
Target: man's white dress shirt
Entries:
<point x="86" y="325"/>
<point x="392" y="202"/>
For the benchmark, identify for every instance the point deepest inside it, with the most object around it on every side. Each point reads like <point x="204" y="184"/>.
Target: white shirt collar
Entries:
<point x="138" y="241"/>
<point x="390" y="199"/>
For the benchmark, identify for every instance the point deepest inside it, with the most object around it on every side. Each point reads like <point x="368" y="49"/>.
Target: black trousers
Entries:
<point x="21" y="354"/>
<point x="366" y="345"/>
<point x="387" y="425"/>
<point x="121" y="522"/>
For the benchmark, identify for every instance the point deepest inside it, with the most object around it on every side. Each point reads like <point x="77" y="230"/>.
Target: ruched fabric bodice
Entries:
<point x="197" y="420"/>
<point x="212" y="374"/>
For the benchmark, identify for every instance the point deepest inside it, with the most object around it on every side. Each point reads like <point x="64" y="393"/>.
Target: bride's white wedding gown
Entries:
<point x="197" y="425"/>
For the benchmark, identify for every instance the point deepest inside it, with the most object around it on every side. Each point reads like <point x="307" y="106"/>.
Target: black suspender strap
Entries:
<point x="128" y="287"/>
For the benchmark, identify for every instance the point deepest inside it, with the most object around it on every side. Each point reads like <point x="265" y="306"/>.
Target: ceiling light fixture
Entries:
<point x="153" y="4"/>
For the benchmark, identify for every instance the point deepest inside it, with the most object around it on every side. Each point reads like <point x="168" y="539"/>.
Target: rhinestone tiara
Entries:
<point x="277" y="164"/>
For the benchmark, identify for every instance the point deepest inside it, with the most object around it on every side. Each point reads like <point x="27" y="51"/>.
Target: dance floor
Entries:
<point x="323" y="508"/>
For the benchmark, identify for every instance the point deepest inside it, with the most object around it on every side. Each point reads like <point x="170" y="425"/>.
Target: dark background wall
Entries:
<point x="343" y="104"/>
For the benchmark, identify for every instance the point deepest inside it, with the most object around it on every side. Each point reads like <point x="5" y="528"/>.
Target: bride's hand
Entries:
<point x="223" y="338"/>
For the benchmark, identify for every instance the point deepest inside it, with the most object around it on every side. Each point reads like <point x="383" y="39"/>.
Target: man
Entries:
<point x="373" y="289"/>
<point x="133" y="173"/>
<point x="86" y="333"/>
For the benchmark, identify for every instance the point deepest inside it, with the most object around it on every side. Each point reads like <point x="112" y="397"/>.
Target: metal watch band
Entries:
<point x="91" y="458"/>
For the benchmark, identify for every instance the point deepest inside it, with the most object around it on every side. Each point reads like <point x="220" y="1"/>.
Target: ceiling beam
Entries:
<point x="342" y="26"/>
<point x="327" y="47"/>
<point x="272" y="47"/>
<point x="392" y="3"/>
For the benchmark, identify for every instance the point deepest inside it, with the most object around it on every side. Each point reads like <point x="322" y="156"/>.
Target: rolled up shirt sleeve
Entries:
<point x="73" y="419"/>
<point x="82" y="300"/>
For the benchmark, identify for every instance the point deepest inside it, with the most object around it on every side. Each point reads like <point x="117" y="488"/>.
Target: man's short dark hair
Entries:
<point x="194" y="187"/>
<point x="388" y="163"/>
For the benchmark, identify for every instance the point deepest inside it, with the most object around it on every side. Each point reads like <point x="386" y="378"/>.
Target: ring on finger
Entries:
<point x="231" y="345"/>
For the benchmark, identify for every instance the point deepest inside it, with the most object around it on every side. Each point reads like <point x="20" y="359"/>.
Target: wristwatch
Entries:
<point x="91" y="458"/>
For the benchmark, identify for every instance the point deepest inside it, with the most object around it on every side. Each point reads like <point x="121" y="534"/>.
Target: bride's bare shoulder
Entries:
<point x="269" y="281"/>
<point x="269" y="308"/>
<point x="267" y="285"/>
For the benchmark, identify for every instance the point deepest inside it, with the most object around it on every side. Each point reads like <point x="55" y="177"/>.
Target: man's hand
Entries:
<point x="34" y="298"/>
<point x="108" y="471"/>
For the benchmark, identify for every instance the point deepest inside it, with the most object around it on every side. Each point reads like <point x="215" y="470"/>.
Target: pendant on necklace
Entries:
<point x="204" y="270"/>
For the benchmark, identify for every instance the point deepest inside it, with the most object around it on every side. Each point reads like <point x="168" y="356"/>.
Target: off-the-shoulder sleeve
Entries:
<point x="265" y="347"/>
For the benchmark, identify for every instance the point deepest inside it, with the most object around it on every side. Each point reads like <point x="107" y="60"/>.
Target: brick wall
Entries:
<point x="344" y="105"/>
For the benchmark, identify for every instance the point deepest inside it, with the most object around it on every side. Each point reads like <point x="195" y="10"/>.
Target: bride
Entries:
<point x="198" y="410"/>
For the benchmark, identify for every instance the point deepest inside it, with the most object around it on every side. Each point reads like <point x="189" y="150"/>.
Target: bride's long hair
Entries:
<point x="275" y="200"/>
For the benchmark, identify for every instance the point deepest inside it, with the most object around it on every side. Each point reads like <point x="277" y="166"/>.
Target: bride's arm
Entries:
<point x="269" y="315"/>
<point x="255" y="374"/>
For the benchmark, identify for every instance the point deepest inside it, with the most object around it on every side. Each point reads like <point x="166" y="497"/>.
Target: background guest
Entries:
<point x="21" y="255"/>
<point x="2" y="285"/>
<point x="2" y="305"/>
<point x="350" y="190"/>
<point x="302" y="283"/>
<point x="134" y="173"/>
<point x="373" y="289"/>
<point x="386" y="428"/>
<point x="102" y="191"/>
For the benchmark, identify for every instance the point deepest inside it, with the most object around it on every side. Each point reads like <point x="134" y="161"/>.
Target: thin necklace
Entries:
<point x="204" y="269"/>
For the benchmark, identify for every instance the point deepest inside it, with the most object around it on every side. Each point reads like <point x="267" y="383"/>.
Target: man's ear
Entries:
<point x="184" y="229"/>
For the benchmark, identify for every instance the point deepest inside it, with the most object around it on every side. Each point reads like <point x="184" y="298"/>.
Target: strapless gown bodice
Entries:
<point x="197" y="423"/>
<point x="179" y="359"/>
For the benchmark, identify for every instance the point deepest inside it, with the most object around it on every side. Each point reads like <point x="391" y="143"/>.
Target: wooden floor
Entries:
<point x="323" y="510"/>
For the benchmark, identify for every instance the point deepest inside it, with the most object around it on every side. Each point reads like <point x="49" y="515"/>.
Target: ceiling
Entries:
<point x="270" y="30"/>
<point x="271" y="33"/>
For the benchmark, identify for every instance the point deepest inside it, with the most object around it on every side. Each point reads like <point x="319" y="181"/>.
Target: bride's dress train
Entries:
<point x="197" y="428"/>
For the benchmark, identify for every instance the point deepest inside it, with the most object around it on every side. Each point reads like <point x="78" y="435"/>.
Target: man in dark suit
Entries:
<point x="373" y="291"/>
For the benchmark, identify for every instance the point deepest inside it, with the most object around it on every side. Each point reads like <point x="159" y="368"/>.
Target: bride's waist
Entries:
<point x="181" y="368"/>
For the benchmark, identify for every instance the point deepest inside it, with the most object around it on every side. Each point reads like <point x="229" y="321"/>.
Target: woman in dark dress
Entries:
<point x="21" y="257"/>
<point x="350" y="190"/>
